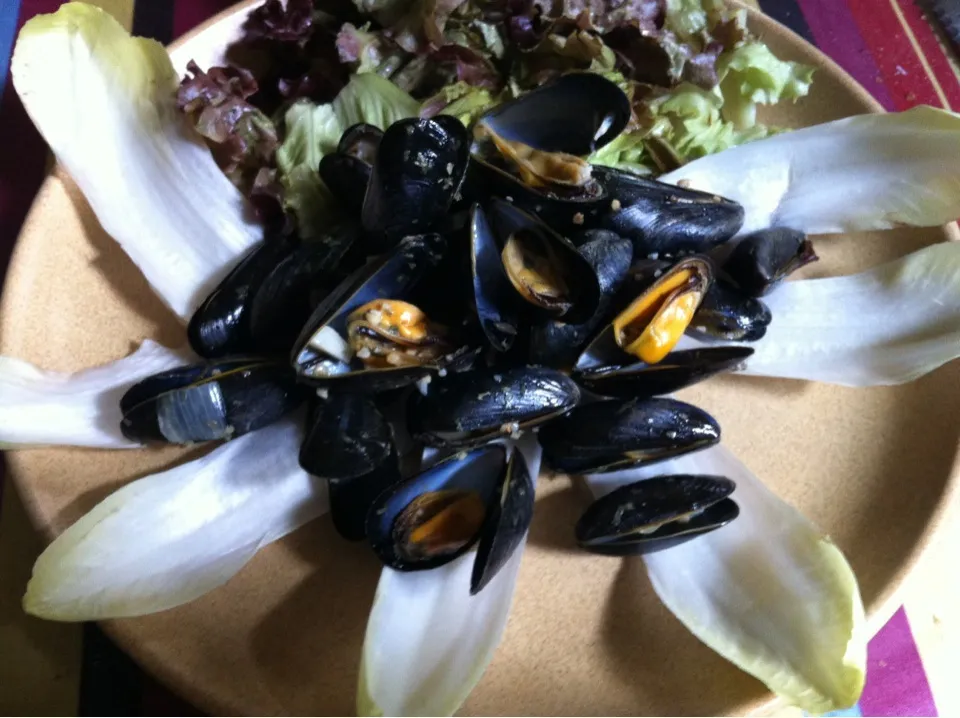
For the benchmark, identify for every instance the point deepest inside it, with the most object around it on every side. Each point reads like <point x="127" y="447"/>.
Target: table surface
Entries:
<point x="894" y="48"/>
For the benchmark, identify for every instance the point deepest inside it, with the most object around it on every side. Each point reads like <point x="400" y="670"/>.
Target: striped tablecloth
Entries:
<point x="892" y="47"/>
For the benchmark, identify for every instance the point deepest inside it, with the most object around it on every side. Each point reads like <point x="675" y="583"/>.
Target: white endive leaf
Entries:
<point x="768" y="592"/>
<point x="48" y="408"/>
<point x="428" y="640"/>
<point x="876" y="171"/>
<point x="166" y="539"/>
<point x="105" y="102"/>
<point x="888" y="325"/>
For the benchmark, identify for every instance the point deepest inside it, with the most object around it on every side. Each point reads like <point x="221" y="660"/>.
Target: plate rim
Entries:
<point x="888" y="600"/>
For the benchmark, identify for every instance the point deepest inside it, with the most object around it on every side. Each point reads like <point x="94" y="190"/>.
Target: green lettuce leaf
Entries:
<point x="462" y="100"/>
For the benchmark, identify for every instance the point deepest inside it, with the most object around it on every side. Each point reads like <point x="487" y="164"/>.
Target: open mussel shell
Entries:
<point x="492" y="291"/>
<point x="655" y="514"/>
<point x="508" y="519"/>
<point x="762" y="259"/>
<point x="347" y="437"/>
<point x="548" y="273"/>
<point x="419" y="167"/>
<point x="483" y="404"/>
<point x="664" y="219"/>
<point x="432" y="518"/>
<point x="362" y="141"/>
<point x="346" y="172"/>
<point x="617" y="434"/>
<point x="208" y="402"/>
<point x="282" y="302"/>
<point x="351" y="499"/>
<point x="323" y="354"/>
<point x="557" y="343"/>
<point x="221" y="325"/>
<point x="726" y="314"/>
<point x="678" y="370"/>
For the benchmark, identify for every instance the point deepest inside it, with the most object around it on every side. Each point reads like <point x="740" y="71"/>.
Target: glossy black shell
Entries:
<point x="347" y="437"/>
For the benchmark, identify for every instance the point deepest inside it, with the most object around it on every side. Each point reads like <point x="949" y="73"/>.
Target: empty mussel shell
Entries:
<point x="347" y="437"/>
<point x="419" y="167"/>
<point x="431" y="518"/>
<point x="207" y="402"/>
<point x="664" y="219"/>
<point x="762" y="259"/>
<point x="678" y="370"/>
<point x="221" y="325"/>
<point x="548" y="273"/>
<point x="655" y="514"/>
<point x="351" y="499"/>
<point x="483" y="404"/>
<point x="729" y="315"/>
<point x="616" y="434"/>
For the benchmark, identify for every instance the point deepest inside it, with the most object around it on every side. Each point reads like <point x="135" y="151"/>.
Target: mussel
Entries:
<point x="208" y="402"/>
<point x="677" y="370"/>
<point x="663" y="219"/>
<point x="347" y="171"/>
<point x="492" y="291"/>
<point x="432" y="518"/>
<point x="351" y="499"/>
<point x="221" y="325"/>
<point x="726" y="314"/>
<point x="483" y="404"/>
<point x="347" y="437"/>
<point x="419" y="167"/>
<point x="762" y="259"/>
<point x="617" y="434"/>
<point x="655" y="514"/>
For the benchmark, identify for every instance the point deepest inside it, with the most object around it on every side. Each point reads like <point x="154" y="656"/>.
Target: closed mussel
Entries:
<point x="221" y="325"/>
<point x="347" y="171"/>
<point x="664" y="219"/>
<point x="482" y="404"/>
<point x="726" y="314"/>
<point x="419" y="167"/>
<point x="656" y="514"/>
<point x="547" y="272"/>
<point x="761" y="260"/>
<point x="678" y="370"/>
<point x="620" y="433"/>
<point x="365" y="336"/>
<point x="208" y="402"/>
<point x="347" y="437"/>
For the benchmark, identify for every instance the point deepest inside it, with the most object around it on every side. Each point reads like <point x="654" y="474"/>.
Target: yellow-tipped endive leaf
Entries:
<point x="48" y="408"/>
<point x="105" y="102"/>
<point x="167" y="539"/>
<point x="769" y="591"/>
<point x="428" y="640"/>
<point x="876" y="171"/>
<point x="887" y="325"/>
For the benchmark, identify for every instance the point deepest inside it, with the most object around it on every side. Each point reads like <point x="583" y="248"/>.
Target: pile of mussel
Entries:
<point x="484" y="282"/>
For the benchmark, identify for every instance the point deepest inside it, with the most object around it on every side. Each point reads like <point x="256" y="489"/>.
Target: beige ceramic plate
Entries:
<point x="874" y="467"/>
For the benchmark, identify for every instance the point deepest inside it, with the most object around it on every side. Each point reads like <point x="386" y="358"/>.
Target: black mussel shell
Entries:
<point x="347" y="437"/>
<point x="351" y="499"/>
<point x="282" y="303"/>
<point x="593" y="111"/>
<point x="208" y="402"/>
<point x="392" y="276"/>
<point x="469" y="481"/>
<point x="220" y="326"/>
<point x="558" y="344"/>
<point x="419" y="168"/>
<point x="347" y="178"/>
<point x="761" y="260"/>
<point x="506" y="523"/>
<point x="580" y="289"/>
<point x="726" y="314"/>
<point x="680" y="369"/>
<point x="656" y="514"/>
<point x="361" y="141"/>
<point x="479" y="405"/>
<point x="492" y="292"/>
<point x="664" y="219"/>
<point x="618" y="434"/>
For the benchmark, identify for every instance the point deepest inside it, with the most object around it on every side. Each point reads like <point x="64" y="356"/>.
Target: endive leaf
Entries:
<point x="768" y="592"/>
<point x="105" y="102"/>
<point x="166" y="539"/>
<point x="876" y="171"/>
<point x="44" y="408"/>
<point x="887" y="325"/>
<point x="428" y="640"/>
